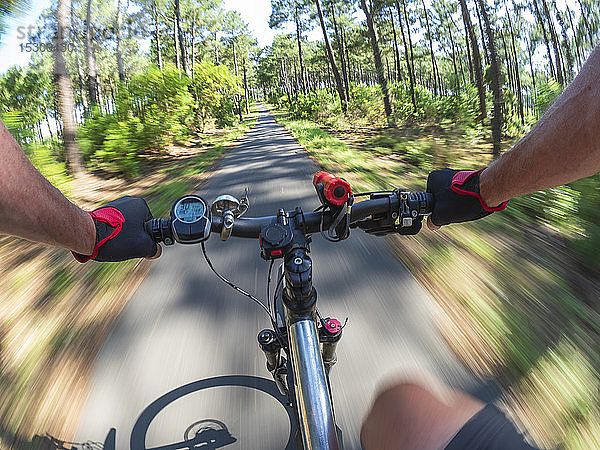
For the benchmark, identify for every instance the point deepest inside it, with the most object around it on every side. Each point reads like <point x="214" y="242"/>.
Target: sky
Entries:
<point x="255" y="12"/>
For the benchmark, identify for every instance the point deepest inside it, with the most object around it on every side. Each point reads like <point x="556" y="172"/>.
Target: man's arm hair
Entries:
<point x="563" y="146"/>
<point x="31" y="208"/>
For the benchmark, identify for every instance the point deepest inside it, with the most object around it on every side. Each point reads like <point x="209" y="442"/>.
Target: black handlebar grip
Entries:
<point x="429" y="202"/>
<point x="422" y="202"/>
<point x="159" y="230"/>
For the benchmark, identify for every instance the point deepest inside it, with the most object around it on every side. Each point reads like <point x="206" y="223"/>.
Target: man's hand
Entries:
<point x="120" y="232"/>
<point x="456" y="197"/>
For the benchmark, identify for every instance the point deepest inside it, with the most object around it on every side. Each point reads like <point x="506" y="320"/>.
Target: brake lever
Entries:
<point x="244" y="204"/>
<point x="406" y="219"/>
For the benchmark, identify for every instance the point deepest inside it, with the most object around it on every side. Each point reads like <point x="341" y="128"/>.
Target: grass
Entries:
<point x="517" y="308"/>
<point x="55" y="313"/>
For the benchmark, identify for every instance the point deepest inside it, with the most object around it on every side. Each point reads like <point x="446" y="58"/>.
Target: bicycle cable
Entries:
<point x="269" y="285"/>
<point x="240" y="290"/>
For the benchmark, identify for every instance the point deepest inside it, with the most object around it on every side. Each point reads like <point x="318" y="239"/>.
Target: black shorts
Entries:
<point x="489" y="429"/>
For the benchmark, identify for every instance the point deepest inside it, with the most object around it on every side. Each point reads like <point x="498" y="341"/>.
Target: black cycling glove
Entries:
<point x="120" y="232"/>
<point x="456" y="196"/>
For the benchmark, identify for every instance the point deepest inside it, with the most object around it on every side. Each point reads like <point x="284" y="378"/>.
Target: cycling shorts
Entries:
<point x="489" y="429"/>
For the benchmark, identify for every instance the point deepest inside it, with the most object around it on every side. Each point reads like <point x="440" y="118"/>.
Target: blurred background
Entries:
<point x="379" y="92"/>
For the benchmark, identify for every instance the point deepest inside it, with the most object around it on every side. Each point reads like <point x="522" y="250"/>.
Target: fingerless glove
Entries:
<point x="120" y="232"/>
<point x="456" y="196"/>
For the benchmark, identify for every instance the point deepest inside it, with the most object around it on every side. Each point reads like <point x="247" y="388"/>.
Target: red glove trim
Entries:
<point x="111" y="216"/>
<point x="461" y="178"/>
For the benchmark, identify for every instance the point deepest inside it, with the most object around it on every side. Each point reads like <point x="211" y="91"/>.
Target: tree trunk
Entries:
<point x="90" y="56"/>
<point x="120" y="67"/>
<point x="65" y="92"/>
<point x="340" y="48"/>
<point x="329" y="83"/>
<point x="411" y="66"/>
<point x="476" y="59"/>
<point x="286" y="80"/>
<point x="433" y="64"/>
<point x="584" y="14"/>
<point x="301" y="59"/>
<point x="246" y="89"/>
<point x="456" y="77"/>
<point x="396" y="50"/>
<point x="334" y="68"/>
<point x="555" y="43"/>
<point x="80" y="74"/>
<point x="532" y="70"/>
<point x="377" y="56"/>
<point x="346" y="58"/>
<point x="575" y="37"/>
<point x="177" y="54"/>
<point x="157" y="35"/>
<point x="237" y="98"/>
<point x="540" y="20"/>
<point x="486" y="56"/>
<point x="218" y="61"/>
<point x="517" y="70"/>
<point x="568" y="70"/>
<point x="179" y="36"/>
<point x="193" y="43"/>
<point x="495" y="82"/>
<point x="48" y="119"/>
<point x="467" y="46"/>
<point x="507" y="62"/>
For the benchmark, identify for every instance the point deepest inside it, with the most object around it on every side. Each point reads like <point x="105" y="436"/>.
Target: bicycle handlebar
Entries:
<point x="395" y="205"/>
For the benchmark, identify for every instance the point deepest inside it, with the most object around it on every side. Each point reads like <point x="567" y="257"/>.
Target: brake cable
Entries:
<point x="240" y="290"/>
<point x="269" y="285"/>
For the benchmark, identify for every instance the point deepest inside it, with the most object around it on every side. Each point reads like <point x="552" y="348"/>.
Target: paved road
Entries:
<point x="185" y="326"/>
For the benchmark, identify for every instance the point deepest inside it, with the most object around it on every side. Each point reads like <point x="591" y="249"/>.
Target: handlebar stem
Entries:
<point x="299" y="295"/>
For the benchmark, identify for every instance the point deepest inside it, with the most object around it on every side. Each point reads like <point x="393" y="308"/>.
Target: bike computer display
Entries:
<point x="190" y="220"/>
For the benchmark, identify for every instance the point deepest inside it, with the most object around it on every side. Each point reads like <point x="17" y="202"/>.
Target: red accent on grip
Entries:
<point x="111" y="216"/>
<point x="335" y="189"/>
<point x="461" y="178"/>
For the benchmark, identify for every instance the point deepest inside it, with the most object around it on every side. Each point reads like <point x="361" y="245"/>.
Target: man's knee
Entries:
<point x="408" y="415"/>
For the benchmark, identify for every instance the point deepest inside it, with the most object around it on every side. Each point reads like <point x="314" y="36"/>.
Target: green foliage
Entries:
<point x="153" y="110"/>
<point x="163" y="103"/>
<point x="213" y="88"/>
<point x="417" y="153"/>
<point x="306" y="106"/>
<point x="17" y="126"/>
<point x="365" y="102"/>
<point x="557" y="207"/>
<point x="545" y="95"/>
<point x="160" y="198"/>
<point x="459" y="109"/>
<point x="47" y="155"/>
<point x="111" y="144"/>
<point x="588" y="215"/>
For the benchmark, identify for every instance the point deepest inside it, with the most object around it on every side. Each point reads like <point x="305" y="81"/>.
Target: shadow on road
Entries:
<point x="208" y="433"/>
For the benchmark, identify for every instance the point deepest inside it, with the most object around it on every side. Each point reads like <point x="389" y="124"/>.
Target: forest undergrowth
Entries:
<point x="518" y="289"/>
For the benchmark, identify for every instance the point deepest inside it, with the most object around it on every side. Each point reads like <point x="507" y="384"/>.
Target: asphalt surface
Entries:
<point x="184" y="349"/>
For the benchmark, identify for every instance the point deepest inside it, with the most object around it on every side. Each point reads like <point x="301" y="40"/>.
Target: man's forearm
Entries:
<point x="30" y="207"/>
<point x="564" y="145"/>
